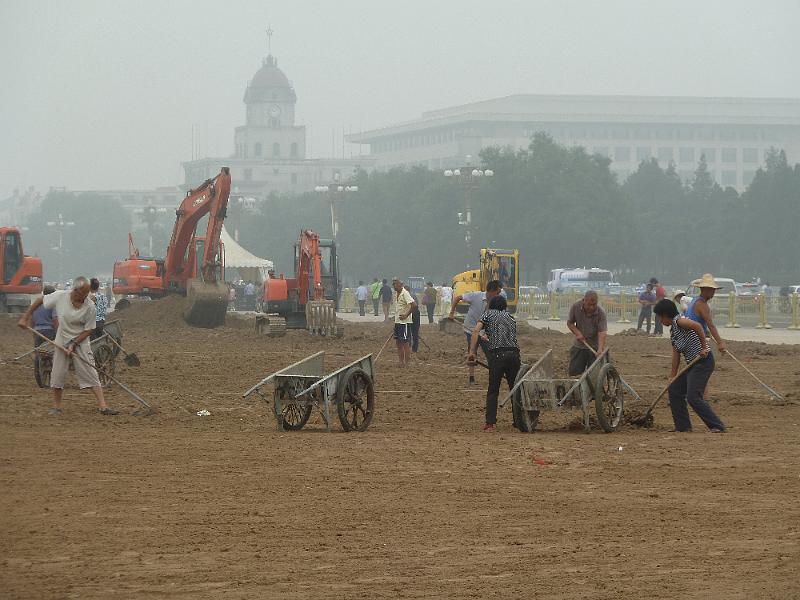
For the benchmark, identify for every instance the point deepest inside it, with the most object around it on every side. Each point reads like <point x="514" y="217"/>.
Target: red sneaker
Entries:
<point x="488" y="427"/>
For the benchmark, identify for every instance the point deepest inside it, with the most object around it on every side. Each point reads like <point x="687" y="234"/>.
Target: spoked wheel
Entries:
<point x="524" y="420"/>
<point x="294" y="414"/>
<point x="104" y="361"/>
<point x="608" y="398"/>
<point x="43" y="365"/>
<point x="355" y="400"/>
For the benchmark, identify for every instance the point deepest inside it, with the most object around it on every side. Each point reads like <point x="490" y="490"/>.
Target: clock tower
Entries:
<point x="270" y="131"/>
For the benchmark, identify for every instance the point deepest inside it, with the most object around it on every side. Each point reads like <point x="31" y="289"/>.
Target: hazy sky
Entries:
<point x="105" y="94"/>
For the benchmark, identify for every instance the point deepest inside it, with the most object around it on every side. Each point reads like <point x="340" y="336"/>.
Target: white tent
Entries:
<point x="250" y="266"/>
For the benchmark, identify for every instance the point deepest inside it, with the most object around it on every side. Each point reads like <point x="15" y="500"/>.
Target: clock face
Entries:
<point x="274" y="111"/>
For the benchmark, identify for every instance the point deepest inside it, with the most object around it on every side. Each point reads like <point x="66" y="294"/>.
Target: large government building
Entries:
<point x="270" y="148"/>
<point x="733" y="133"/>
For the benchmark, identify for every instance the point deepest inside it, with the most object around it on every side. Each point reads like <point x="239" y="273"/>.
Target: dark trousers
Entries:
<point x="658" y="327"/>
<point x="431" y="308"/>
<point x="646" y="312"/>
<point x="689" y="388"/>
<point x="376" y="304"/>
<point x="50" y="334"/>
<point x="361" y="304"/>
<point x="415" y="321"/>
<point x="501" y="364"/>
<point x="580" y="359"/>
<point x="98" y="330"/>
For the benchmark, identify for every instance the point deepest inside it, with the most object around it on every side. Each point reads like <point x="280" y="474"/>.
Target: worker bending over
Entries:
<point x="588" y="322"/>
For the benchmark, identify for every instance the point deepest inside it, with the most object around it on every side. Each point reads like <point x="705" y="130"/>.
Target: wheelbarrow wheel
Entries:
<point x="524" y="420"/>
<point x="355" y="400"/>
<point x="608" y="398"/>
<point x="294" y="415"/>
<point x="104" y="361"/>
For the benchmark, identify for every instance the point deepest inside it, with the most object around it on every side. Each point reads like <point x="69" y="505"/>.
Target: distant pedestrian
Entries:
<point x="447" y="297"/>
<point x="404" y="306"/>
<point x="361" y="296"/>
<point x="386" y="299"/>
<point x="101" y="307"/>
<point x="647" y="298"/>
<point x="688" y="339"/>
<point x="76" y="321"/>
<point x="503" y="353"/>
<point x="429" y="300"/>
<point x="375" y="294"/>
<point x="232" y="297"/>
<point x="661" y="293"/>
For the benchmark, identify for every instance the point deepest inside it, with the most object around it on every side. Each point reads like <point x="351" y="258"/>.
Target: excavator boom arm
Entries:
<point x="210" y="198"/>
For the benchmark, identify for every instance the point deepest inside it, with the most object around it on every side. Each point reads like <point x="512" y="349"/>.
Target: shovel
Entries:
<point x="130" y="359"/>
<point x="146" y="408"/>
<point x="644" y="420"/>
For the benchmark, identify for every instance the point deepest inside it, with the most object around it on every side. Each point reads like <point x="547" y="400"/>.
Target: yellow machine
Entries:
<point x="495" y="264"/>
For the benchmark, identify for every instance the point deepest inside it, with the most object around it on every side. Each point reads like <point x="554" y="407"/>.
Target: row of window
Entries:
<point x="680" y="155"/>
<point x="258" y="150"/>
<point x="573" y="132"/>
<point x="248" y="175"/>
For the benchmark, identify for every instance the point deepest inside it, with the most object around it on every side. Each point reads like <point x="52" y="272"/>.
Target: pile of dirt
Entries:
<point x="163" y="314"/>
<point x="632" y="332"/>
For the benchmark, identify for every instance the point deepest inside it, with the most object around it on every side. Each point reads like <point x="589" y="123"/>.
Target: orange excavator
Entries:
<point x="20" y="275"/>
<point x="307" y="301"/>
<point x="193" y="266"/>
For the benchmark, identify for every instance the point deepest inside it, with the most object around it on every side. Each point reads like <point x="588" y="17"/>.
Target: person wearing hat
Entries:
<point x="689" y="340"/>
<point x="699" y="310"/>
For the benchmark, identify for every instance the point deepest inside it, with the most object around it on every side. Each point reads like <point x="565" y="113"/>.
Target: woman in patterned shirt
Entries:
<point x="502" y="352"/>
<point x="688" y="339"/>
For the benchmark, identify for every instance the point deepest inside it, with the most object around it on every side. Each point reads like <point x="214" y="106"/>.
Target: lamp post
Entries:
<point x="336" y="192"/>
<point x="469" y="178"/>
<point x="60" y="225"/>
<point x="149" y="216"/>
<point x="240" y="203"/>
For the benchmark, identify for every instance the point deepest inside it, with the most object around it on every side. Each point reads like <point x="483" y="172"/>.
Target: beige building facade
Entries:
<point x="734" y="134"/>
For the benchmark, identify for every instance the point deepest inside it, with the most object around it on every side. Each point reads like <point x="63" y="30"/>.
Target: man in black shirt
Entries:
<point x="503" y="354"/>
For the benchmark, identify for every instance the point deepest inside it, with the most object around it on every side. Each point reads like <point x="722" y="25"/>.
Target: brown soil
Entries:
<point x="422" y="505"/>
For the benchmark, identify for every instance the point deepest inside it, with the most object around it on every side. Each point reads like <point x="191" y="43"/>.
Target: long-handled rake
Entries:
<point x="771" y="392"/>
<point x="146" y="408"/>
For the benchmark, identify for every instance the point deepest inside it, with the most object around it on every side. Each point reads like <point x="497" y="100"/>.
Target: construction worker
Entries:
<point x="588" y="323"/>
<point x="501" y="350"/>
<point x="698" y="309"/>
<point x="688" y="338"/>
<point x="361" y="297"/>
<point x="478" y="301"/>
<point x="101" y="307"/>
<point x="76" y="321"/>
<point x="403" y="321"/>
<point x="386" y="299"/>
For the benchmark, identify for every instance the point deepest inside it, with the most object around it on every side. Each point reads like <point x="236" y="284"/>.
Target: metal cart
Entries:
<point x="300" y="387"/>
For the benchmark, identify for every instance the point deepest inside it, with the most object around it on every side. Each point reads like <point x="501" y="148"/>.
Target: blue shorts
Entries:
<point x="402" y="332"/>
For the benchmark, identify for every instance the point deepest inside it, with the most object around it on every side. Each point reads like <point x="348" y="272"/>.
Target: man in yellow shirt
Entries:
<point x="404" y="306"/>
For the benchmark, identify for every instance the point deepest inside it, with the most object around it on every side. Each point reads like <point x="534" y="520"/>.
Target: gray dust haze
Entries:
<point x="107" y="94"/>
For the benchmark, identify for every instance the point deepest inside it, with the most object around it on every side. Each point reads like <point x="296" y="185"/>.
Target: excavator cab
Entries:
<point x="20" y="275"/>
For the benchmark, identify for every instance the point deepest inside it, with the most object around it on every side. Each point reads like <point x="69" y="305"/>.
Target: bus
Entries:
<point x="582" y="279"/>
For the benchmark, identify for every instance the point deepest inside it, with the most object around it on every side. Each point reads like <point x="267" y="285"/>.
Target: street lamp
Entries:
<point x="336" y="192"/>
<point x="468" y="177"/>
<point x="60" y="224"/>
<point x="149" y="217"/>
<point x="241" y="203"/>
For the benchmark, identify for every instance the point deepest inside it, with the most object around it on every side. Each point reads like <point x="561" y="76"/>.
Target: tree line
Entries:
<point x="561" y="206"/>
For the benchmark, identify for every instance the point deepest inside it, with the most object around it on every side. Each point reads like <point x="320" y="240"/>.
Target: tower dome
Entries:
<point x="269" y="84"/>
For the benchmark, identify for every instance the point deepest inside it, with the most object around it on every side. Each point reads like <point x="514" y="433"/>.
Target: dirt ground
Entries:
<point x="423" y="505"/>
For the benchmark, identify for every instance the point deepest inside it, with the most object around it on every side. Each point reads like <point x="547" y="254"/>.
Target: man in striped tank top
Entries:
<point x="688" y="340"/>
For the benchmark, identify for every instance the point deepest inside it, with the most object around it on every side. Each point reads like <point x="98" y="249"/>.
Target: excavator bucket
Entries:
<point x="207" y="303"/>
<point x="321" y="318"/>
